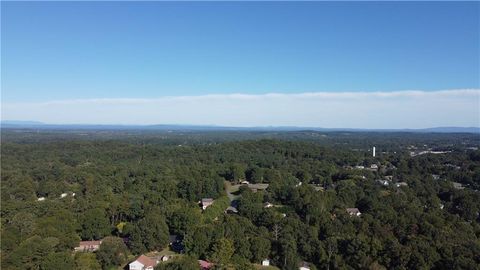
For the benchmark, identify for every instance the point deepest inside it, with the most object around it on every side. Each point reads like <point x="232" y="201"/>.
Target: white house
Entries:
<point x="304" y="266"/>
<point x="353" y="212"/>
<point x="165" y="258"/>
<point x="206" y="202"/>
<point x="63" y="195"/>
<point x="266" y="262"/>
<point x="142" y="263"/>
<point x="88" y="246"/>
<point x="41" y="199"/>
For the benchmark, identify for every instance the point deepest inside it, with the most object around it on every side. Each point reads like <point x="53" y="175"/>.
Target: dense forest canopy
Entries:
<point x="418" y="197"/>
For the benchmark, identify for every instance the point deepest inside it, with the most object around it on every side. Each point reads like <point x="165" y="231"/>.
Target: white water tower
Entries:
<point x="374" y="151"/>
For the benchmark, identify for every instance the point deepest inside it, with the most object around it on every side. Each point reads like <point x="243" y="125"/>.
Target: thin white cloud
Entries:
<point x="400" y="109"/>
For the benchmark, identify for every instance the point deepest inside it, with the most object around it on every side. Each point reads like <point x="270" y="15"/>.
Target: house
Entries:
<point x="256" y="187"/>
<point x="360" y="167"/>
<point x="245" y="182"/>
<point x="383" y="182"/>
<point x="165" y="258"/>
<point x="266" y="262"/>
<point x="267" y="205"/>
<point x="318" y="188"/>
<point x="175" y="242"/>
<point x="63" y="195"/>
<point x="204" y="265"/>
<point x="401" y="184"/>
<point x="374" y="167"/>
<point x="304" y="266"/>
<point x="142" y="263"/>
<point x="173" y="238"/>
<point x="231" y="210"/>
<point x="457" y="185"/>
<point x="41" y="199"/>
<point x="353" y="212"/>
<point x="88" y="246"/>
<point x="206" y="202"/>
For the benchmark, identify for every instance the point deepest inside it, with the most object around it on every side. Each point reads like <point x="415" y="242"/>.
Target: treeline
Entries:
<point x="135" y="194"/>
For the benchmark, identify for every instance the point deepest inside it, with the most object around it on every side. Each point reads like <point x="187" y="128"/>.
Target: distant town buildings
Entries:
<point x="266" y="262"/>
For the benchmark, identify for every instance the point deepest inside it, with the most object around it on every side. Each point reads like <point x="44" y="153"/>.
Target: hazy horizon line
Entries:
<point x="371" y="110"/>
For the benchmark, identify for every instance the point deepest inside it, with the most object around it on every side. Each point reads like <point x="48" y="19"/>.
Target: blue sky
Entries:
<point x="64" y="51"/>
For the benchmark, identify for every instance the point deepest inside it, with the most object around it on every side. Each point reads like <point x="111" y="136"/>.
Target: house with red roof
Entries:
<point x="204" y="265"/>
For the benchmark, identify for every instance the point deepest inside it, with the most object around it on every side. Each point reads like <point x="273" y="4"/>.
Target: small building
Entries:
<point x="360" y="167"/>
<point x="142" y="263"/>
<point x="374" y="167"/>
<point x="175" y="242"/>
<point x="354" y="212"/>
<point x="257" y="187"/>
<point x="88" y="246"/>
<point x="165" y="258"/>
<point x="267" y="205"/>
<point x="383" y="182"/>
<point x="304" y="266"/>
<point x="457" y="185"/>
<point x="205" y="265"/>
<point x="41" y="199"/>
<point x="231" y="210"/>
<point x="63" y="195"/>
<point x="266" y="262"/>
<point x="206" y="202"/>
<point x="401" y="184"/>
<point x="173" y="238"/>
<point x="245" y="182"/>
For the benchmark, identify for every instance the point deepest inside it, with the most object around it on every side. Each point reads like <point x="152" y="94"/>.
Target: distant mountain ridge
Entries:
<point x="11" y="124"/>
